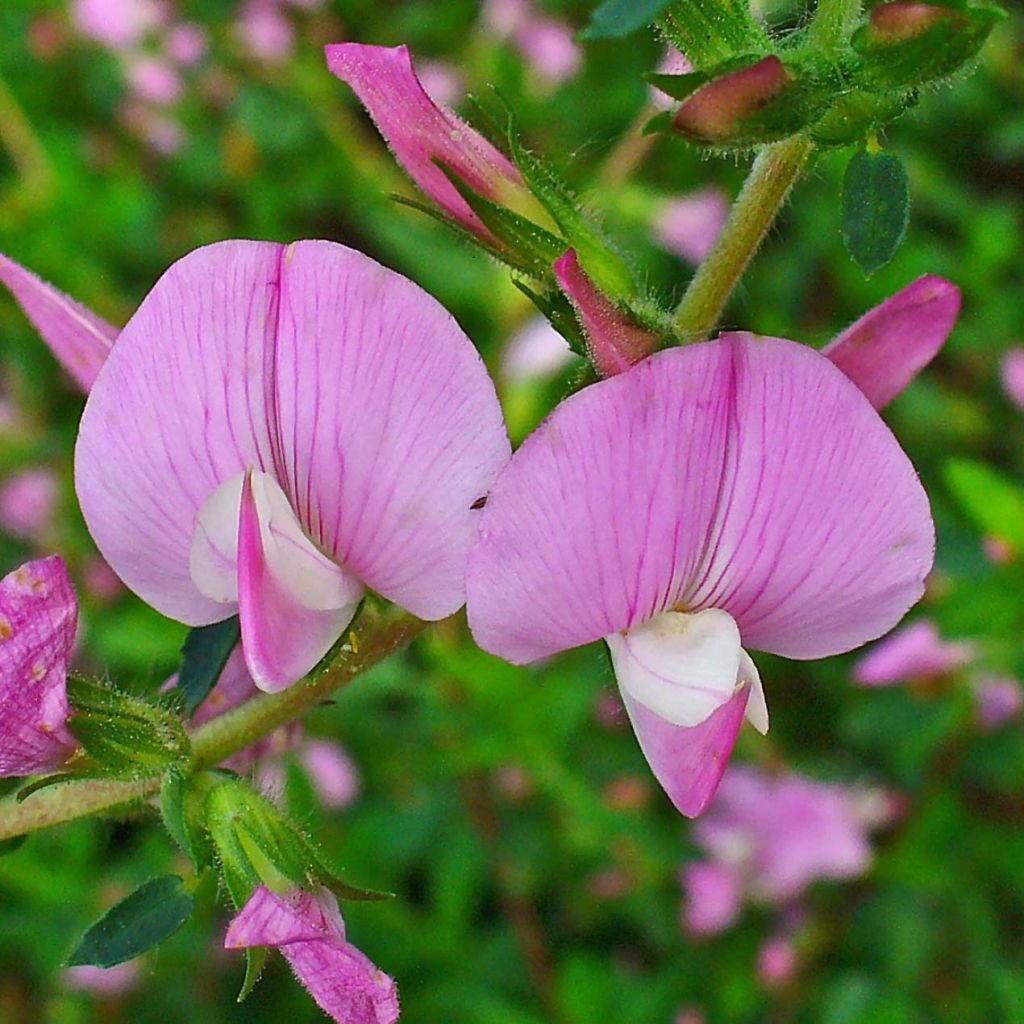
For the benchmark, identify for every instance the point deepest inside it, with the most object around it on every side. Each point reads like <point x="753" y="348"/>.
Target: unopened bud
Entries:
<point x="716" y="111"/>
<point x="901" y="20"/>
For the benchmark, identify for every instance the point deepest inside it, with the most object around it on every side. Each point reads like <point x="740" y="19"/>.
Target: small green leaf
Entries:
<point x="614" y="19"/>
<point x="994" y="502"/>
<point x="876" y="208"/>
<point x="181" y="805"/>
<point x="255" y="959"/>
<point x="203" y="657"/>
<point x="151" y="914"/>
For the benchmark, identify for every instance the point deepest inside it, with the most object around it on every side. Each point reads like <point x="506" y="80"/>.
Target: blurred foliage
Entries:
<point x="495" y="803"/>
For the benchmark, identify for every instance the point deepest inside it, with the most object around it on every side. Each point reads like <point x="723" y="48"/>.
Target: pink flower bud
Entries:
<point x="914" y="652"/>
<point x="999" y="698"/>
<point x="715" y="112"/>
<point x="899" y="21"/>
<point x="28" y="500"/>
<point x="776" y="962"/>
<point x="616" y="343"/>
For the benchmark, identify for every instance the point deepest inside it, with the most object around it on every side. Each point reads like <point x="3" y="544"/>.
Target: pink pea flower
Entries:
<point x="265" y="31"/>
<point x="420" y="132"/>
<point x="279" y="427"/>
<point x="732" y="494"/>
<point x="310" y="932"/>
<point x="77" y="337"/>
<point x="688" y="225"/>
<point x="28" y="500"/>
<point x="38" y="620"/>
<point x="534" y="352"/>
<point x="998" y="699"/>
<point x="915" y="652"/>
<point x="888" y="346"/>
<point x="1012" y="369"/>
<point x="185" y="43"/>
<point x="714" y="897"/>
<point x="117" y="24"/>
<point x="154" y="80"/>
<point x="104" y="982"/>
<point x="549" y="48"/>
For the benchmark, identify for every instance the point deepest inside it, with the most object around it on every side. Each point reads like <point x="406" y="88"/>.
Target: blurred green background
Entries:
<point x="535" y="860"/>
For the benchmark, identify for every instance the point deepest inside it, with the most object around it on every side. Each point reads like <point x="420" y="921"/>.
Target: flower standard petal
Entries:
<point x="292" y="602"/>
<point x="77" y="337"/>
<point x="38" y="619"/>
<point x="310" y="933"/>
<point x="889" y="346"/>
<point x="422" y="134"/>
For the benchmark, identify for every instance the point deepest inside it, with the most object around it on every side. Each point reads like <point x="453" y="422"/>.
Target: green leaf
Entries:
<point x="255" y="960"/>
<point x="124" y="737"/>
<point x="614" y="19"/>
<point x="203" y="657"/>
<point x="181" y="805"/>
<point x="151" y="914"/>
<point x="994" y="502"/>
<point x="712" y="31"/>
<point x="876" y="208"/>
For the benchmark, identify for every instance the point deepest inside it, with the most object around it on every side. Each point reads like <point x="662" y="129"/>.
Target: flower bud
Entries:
<point x="716" y="111"/>
<point x="902" y="20"/>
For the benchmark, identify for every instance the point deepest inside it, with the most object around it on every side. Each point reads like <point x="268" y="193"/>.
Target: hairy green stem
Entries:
<point x="774" y="173"/>
<point x="377" y="639"/>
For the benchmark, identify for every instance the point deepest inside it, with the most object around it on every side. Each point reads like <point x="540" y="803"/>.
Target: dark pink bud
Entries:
<point x="896" y="22"/>
<point x="616" y="343"/>
<point x="716" y="110"/>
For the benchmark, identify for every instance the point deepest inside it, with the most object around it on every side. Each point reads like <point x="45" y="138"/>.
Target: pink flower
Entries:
<point x="534" y="352"/>
<point x="38" y="620"/>
<point x="714" y="895"/>
<point x="117" y="24"/>
<point x="913" y="652"/>
<point x="998" y="699"/>
<point x="615" y="342"/>
<point x="1013" y="375"/>
<point x="776" y="962"/>
<point x="279" y="427"/>
<point x="163" y="134"/>
<point x="732" y="494"/>
<point x="28" y="500"/>
<point x="309" y="931"/>
<point x="672" y="63"/>
<point x="265" y="31"/>
<point x="185" y="43"/>
<point x="441" y="82"/>
<point x="105" y="982"/>
<point x="332" y="771"/>
<point x="887" y="347"/>
<point x="154" y="80"/>
<point x="549" y="48"/>
<point x="100" y="581"/>
<point x="420" y="132"/>
<point x="77" y="337"/>
<point x="688" y="225"/>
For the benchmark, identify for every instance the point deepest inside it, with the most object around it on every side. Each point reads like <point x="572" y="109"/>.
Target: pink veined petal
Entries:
<point x="615" y="342"/>
<point x="283" y="636"/>
<point x="349" y="385"/>
<point x="310" y="933"/>
<point x="77" y="337"/>
<point x="38" y="619"/>
<point x="682" y="667"/>
<point x="688" y="761"/>
<point x="889" y="346"/>
<point x="746" y="474"/>
<point x="420" y="132"/>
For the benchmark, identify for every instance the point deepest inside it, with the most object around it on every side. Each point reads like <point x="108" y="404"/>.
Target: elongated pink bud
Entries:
<point x="889" y="345"/>
<point x="422" y="134"/>
<point x="715" y="112"/>
<point x="616" y="343"/>
<point x="899" y="21"/>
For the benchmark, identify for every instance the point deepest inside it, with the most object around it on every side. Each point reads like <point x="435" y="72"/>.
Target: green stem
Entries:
<point x="833" y="21"/>
<point x="219" y="738"/>
<point x="774" y="173"/>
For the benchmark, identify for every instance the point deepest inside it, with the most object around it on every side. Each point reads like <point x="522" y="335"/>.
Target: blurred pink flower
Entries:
<point x="997" y="550"/>
<point x="332" y="771"/>
<point x="441" y="82"/>
<point x="672" y="63"/>
<point x="162" y="133"/>
<point x="688" y="225"/>
<point x="117" y="24"/>
<point x="100" y="581"/>
<point x="310" y="933"/>
<point x="998" y="699"/>
<point x="38" y="622"/>
<point x="1012" y="369"/>
<point x="534" y="352"/>
<point x="776" y="961"/>
<point x="28" y="500"/>
<point x="913" y="652"/>
<point x="185" y="43"/>
<point x="104" y="982"/>
<point x="154" y="80"/>
<point x="265" y="31"/>
<point x="714" y="895"/>
<point x="689" y="1015"/>
<point x="546" y="44"/>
